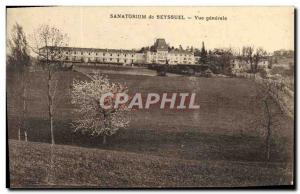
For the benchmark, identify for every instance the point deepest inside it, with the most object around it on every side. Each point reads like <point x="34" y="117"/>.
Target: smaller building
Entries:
<point x="283" y="53"/>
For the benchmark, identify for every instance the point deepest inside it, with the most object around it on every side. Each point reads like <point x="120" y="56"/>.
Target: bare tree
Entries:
<point x="18" y="60"/>
<point x="252" y="57"/>
<point x="93" y="118"/>
<point x="48" y="45"/>
<point x="259" y="55"/>
<point x="269" y="119"/>
<point x="247" y="56"/>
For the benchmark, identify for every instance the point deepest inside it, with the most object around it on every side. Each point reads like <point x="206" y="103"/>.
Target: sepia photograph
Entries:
<point x="157" y="97"/>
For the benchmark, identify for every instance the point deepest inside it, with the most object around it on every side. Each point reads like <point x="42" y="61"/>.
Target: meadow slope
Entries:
<point x="217" y="145"/>
<point x="31" y="167"/>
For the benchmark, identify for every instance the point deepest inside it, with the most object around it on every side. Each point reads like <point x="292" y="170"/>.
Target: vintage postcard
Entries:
<point x="150" y="97"/>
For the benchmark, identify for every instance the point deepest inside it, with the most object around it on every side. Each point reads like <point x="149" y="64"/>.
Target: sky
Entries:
<point x="269" y="27"/>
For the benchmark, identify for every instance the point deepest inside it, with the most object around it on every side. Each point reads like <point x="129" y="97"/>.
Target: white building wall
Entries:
<point x="127" y="57"/>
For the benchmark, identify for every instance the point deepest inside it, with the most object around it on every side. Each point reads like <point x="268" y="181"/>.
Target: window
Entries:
<point x="81" y="53"/>
<point x="96" y="54"/>
<point x="132" y="55"/>
<point x="110" y="54"/>
<point x="89" y="53"/>
<point x="67" y="52"/>
<point x="110" y="59"/>
<point x="125" y="60"/>
<point x="125" y="56"/>
<point x="103" y="54"/>
<point x="75" y="52"/>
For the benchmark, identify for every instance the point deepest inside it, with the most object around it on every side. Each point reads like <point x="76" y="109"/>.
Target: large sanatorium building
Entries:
<point x="160" y="53"/>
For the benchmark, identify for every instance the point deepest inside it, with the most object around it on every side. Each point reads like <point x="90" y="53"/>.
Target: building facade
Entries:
<point x="160" y="53"/>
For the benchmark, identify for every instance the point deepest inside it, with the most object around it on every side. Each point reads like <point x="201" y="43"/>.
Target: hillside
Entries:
<point x="160" y="148"/>
<point x="30" y="166"/>
<point x="227" y="105"/>
<point x="222" y="129"/>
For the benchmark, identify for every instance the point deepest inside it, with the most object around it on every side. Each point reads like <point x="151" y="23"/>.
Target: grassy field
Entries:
<point x="81" y="167"/>
<point x="221" y="130"/>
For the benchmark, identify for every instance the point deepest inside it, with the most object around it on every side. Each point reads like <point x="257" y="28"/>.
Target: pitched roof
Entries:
<point x="95" y="49"/>
<point x="160" y="44"/>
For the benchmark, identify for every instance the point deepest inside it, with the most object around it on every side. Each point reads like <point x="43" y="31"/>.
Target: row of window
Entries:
<point x="97" y="59"/>
<point x="190" y="59"/>
<point x="110" y="54"/>
<point x="89" y="53"/>
<point x="185" y="55"/>
<point x="181" y="55"/>
<point x="185" y="62"/>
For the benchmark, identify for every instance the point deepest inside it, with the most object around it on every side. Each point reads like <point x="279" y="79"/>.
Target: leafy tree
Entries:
<point x="18" y="60"/>
<point x="180" y="47"/>
<point x="95" y="119"/>
<point x="220" y="61"/>
<point x="18" y="57"/>
<point x="226" y="58"/>
<point x="192" y="49"/>
<point x="270" y="64"/>
<point x="203" y="54"/>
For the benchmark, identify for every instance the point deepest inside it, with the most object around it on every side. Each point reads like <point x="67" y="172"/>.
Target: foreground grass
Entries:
<point x="190" y="144"/>
<point x="30" y="166"/>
